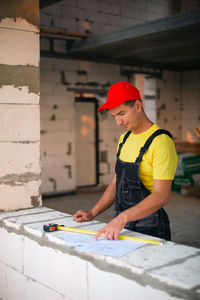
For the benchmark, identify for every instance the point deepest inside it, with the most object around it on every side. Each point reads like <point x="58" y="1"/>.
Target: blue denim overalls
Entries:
<point x="130" y="190"/>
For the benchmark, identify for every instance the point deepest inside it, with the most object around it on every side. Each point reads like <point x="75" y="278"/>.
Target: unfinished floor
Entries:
<point x="183" y="211"/>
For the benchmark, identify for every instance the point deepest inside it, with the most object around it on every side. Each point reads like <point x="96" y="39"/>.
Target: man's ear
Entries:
<point x="138" y="105"/>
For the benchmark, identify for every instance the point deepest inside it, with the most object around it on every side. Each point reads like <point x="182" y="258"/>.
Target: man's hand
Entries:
<point x="112" y="229"/>
<point x="104" y="202"/>
<point x="82" y="215"/>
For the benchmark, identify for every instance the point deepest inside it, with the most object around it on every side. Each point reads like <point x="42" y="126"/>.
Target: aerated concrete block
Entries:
<point x="18" y="23"/>
<point x="12" y="94"/>
<point x="23" y="287"/>
<point x="60" y="271"/>
<point x="118" y="287"/>
<point x="17" y="194"/>
<point x="16" y="47"/>
<point x="11" y="249"/>
<point x="3" y="283"/>
<point x="19" y="123"/>
<point x="18" y="158"/>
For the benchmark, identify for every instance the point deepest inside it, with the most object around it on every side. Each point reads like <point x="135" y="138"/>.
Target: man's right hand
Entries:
<point x="82" y="215"/>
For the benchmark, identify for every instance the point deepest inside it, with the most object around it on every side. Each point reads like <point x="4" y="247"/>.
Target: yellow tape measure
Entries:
<point x="121" y="237"/>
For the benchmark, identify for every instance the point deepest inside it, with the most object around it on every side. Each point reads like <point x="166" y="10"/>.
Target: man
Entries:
<point x="145" y="167"/>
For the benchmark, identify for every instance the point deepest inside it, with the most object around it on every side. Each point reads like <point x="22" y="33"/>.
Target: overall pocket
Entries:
<point x="150" y="221"/>
<point x="131" y="192"/>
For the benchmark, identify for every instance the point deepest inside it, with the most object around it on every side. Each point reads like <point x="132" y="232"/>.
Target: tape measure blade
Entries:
<point x="77" y="230"/>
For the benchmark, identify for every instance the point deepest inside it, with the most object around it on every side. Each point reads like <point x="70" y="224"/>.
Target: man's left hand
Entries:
<point x="112" y="229"/>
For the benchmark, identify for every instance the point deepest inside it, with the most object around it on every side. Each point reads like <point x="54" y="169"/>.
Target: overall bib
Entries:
<point x="130" y="191"/>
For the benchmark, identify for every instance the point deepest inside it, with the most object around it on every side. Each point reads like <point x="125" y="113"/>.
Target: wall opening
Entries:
<point x="87" y="151"/>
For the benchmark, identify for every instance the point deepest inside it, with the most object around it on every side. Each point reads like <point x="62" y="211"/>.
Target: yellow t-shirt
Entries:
<point x="158" y="162"/>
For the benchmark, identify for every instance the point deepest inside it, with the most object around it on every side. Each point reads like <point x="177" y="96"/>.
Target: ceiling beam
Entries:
<point x="138" y="31"/>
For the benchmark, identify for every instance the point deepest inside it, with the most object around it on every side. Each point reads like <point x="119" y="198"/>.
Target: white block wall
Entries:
<point x="169" y="103"/>
<point x="38" y="265"/>
<point x="58" y="120"/>
<point x="172" y="102"/>
<point x="165" y="102"/>
<point x="102" y="16"/>
<point x="178" y="104"/>
<point x="163" y="99"/>
<point x="150" y="99"/>
<point x="19" y="105"/>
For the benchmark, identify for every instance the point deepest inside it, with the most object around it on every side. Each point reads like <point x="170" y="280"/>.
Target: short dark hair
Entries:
<point x="130" y="102"/>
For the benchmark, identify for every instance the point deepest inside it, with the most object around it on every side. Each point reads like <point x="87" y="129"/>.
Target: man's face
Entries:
<point x="126" y="116"/>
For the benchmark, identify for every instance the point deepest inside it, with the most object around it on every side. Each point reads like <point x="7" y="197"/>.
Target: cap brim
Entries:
<point x="106" y="106"/>
<point x="101" y="108"/>
<point x="113" y="105"/>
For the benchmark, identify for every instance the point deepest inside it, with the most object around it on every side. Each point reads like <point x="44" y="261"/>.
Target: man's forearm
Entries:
<point x="143" y="209"/>
<point x="146" y="207"/>
<point x="106" y="200"/>
<point x="150" y="204"/>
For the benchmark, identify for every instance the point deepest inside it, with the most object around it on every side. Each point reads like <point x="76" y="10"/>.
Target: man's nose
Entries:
<point x="118" y="120"/>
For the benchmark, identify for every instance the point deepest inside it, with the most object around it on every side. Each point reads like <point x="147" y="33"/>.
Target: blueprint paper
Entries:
<point x="86" y="243"/>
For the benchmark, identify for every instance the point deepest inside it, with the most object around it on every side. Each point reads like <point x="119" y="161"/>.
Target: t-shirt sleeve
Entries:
<point x="164" y="159"/>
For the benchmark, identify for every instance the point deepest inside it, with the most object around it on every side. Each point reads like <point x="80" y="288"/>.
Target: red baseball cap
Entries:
<point x="118" y="93"/>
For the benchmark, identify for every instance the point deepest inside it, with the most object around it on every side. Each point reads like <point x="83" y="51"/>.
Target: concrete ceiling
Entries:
<point x="171" y="43"/>
<point x="45" y="3"/>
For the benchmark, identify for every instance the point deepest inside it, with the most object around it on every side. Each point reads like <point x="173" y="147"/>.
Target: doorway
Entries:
<point x="87" y="170"/>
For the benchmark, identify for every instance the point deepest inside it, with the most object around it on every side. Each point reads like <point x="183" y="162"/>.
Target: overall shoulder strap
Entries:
<point x="149" y="141"/>
<point x="122" y="143"/>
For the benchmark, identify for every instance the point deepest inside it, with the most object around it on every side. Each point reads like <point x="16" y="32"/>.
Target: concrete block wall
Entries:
<point x="57" y="129"/>
<point x="150" y="98"/>
<point x="100" y="16"/>
<point x="169" y="103"/>
<point x="43" y="266"/>
<point x="19" y="105"/>
<point x="165" y="102"/>
<point x="109" y="134"/>
<point x="57" y="106"/>
<point x="162" y="98"/>
<point x="178" y="105"/>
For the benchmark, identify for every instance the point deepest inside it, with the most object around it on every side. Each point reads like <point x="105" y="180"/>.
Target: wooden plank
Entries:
<point x="64" y="33"/>
<point x="183" y="147"/>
